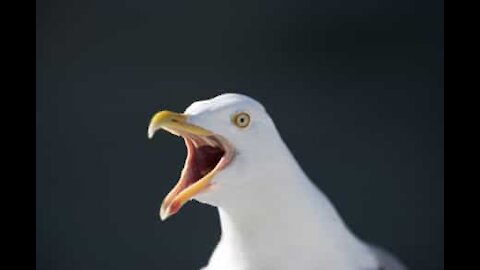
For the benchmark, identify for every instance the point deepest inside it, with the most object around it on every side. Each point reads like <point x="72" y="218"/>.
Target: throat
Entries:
<point x="301" y="224"/>
<point x="282" y="214"/>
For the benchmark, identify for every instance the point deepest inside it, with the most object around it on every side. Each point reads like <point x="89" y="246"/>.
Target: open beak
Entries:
<point x="208" y="153"/>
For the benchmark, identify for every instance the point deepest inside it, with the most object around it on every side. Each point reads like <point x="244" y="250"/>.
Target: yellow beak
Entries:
<point x="177" y="124"/>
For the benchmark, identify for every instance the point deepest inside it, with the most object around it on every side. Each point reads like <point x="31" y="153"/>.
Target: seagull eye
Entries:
<point x="241" y="120"/>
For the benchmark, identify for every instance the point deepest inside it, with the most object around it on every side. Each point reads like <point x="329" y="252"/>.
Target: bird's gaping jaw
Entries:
<point x="208" y="153"/>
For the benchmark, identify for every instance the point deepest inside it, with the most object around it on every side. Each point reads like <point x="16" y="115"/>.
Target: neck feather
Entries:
<point x="292" y="216"/>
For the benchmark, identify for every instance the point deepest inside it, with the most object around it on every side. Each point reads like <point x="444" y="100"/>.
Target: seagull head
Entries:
<point x="228" y="139"/>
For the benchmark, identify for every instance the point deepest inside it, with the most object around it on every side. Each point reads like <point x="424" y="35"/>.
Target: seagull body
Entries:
<point x="272" y="216"/>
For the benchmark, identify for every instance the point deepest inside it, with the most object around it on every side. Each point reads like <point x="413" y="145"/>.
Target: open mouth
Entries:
<point x="204" y="154"/>
<point x="205" y="157"/>
<point x="207" y="154"/>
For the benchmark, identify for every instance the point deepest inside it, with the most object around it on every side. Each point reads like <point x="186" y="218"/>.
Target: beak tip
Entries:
<point x="164" y="214"/>
<point x="169" y="209"/>
<point x="151" y="132"/>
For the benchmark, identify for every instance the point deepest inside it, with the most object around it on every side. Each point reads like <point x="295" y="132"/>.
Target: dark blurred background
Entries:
<point x="368" y="74"/>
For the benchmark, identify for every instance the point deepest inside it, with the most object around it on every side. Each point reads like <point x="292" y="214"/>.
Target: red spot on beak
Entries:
<point x="174" y="207"/>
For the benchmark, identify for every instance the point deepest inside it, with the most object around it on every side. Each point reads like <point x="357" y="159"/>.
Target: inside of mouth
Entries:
<point x="202" y="159"/>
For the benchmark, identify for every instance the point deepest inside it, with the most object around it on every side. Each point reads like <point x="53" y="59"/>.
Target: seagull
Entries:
<point x="272" y="215"/>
